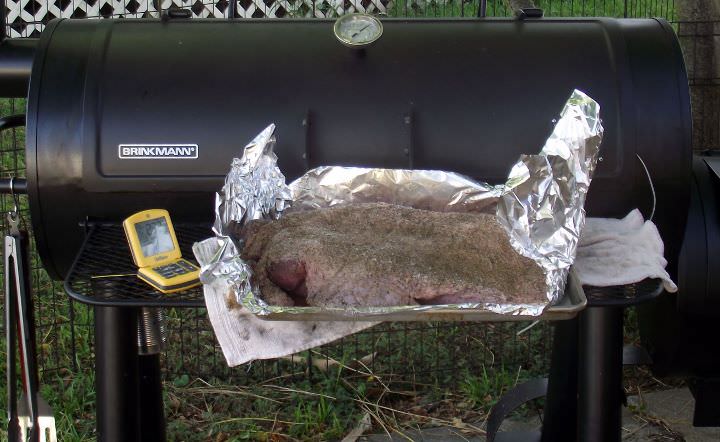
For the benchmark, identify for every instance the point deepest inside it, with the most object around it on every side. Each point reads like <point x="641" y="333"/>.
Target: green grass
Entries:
<point x="483" y="389"/>
<point x="329" y="404"/>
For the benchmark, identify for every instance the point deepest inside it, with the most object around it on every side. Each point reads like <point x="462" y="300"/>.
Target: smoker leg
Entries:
<point x="152" y="415"/>
<point x="560" y="413"/>
<point x="600" y="374"/>
<point x="116" y="374"/>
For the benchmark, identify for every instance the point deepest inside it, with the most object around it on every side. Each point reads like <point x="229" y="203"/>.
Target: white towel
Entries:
<point x="621" y="251"/>
<point x="610" y="252"/>
<point x="243" y="337"/>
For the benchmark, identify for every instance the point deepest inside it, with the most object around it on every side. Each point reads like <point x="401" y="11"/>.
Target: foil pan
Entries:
<point x="540" y="206"/>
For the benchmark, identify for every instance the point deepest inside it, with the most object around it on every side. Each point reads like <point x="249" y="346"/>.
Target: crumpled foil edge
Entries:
<point x="542" y="206"/>
<point x="254" y="188"/>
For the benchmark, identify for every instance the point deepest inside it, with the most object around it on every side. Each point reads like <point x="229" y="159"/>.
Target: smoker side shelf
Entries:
<point x="104" y="273"/>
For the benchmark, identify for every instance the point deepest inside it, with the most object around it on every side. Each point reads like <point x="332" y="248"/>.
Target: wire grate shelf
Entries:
<point x="104" y="272"/>
<point x="624" y="295"/>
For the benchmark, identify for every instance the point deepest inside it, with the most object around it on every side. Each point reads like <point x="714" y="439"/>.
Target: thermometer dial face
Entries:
<point x="357" y="30"/>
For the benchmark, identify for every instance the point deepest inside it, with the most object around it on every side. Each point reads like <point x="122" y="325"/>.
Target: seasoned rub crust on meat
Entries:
<point x="377" y="254"/>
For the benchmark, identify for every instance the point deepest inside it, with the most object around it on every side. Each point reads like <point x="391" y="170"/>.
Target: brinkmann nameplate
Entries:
<point x="157" y="151"/>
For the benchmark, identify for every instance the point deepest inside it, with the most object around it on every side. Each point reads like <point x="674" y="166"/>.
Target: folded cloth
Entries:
<point x="610" y="252"/>
<point x="243" y="337"/>
<point x="621" y="251"/>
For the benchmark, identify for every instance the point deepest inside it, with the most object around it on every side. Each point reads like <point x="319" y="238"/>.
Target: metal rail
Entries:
<point x="12" y="185"/>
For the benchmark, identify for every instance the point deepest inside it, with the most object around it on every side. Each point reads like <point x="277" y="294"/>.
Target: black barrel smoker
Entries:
<point x="466" y="95"/>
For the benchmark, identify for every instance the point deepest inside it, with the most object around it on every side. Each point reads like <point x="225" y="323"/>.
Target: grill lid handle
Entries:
<point x="524" y="13"/>
<point x="176" y="13"/>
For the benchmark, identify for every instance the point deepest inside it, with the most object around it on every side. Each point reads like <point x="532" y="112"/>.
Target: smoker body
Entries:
<point x="468" y="96"/>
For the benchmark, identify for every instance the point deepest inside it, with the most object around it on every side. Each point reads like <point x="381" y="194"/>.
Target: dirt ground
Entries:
<point x="658" y="416"/>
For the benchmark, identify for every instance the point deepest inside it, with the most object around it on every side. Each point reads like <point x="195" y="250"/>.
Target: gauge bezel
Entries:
<point x="351" y="44"/>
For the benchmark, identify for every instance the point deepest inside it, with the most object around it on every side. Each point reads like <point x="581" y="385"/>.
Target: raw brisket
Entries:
<point x="377" y="254"/>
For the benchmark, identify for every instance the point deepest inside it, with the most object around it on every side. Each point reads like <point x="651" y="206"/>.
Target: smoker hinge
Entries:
<point x="306" y="148"/>
<point x="409" y="148"/>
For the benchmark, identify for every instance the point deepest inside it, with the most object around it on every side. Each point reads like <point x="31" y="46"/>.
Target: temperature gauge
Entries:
<point x="357" y="30"/>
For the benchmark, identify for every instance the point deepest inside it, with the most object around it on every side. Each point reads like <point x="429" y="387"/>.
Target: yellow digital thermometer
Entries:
<point x="155" y="251"/>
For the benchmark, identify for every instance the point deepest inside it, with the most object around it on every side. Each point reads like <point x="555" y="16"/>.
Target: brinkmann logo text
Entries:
<point x="158" y="151"/>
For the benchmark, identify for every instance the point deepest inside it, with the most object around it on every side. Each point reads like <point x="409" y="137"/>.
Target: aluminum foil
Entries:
<point x="422" y="189"/>
<point x="255" y="187"/>
<point x="540" y="206"/>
